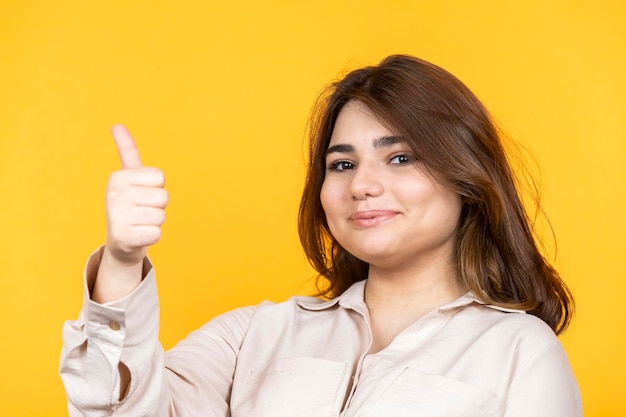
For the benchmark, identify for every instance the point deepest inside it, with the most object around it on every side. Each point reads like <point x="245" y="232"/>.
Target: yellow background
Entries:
<point x="217" y="95"/>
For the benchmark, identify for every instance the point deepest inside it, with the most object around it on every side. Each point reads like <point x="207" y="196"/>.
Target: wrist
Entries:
<point x="116" y="278"/>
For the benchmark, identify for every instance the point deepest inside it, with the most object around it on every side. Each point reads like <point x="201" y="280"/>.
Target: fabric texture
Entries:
<point x="307" y="357"/>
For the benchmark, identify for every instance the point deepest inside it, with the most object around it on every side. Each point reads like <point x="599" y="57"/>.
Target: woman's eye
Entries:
<point x="402" y="159"/>
<point x="340" y="166"/>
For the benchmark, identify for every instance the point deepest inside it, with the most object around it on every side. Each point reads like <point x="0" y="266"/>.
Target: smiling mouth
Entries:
<point x="371" y="218"/>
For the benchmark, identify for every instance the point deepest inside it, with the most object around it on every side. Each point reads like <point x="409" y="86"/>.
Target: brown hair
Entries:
<point x="449" y="130"/>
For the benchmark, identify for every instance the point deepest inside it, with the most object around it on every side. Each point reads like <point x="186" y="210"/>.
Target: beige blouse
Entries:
<point x="308" y="358"/>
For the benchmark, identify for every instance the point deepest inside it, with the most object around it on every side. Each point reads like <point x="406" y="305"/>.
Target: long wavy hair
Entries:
<point x="450" y="130"/>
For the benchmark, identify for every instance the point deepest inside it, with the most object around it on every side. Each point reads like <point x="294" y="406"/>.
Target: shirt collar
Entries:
<point x="470" y="298"/>
<point x="353" y="298"/>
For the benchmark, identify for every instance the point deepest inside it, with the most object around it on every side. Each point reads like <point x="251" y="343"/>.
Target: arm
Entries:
<point x="106" y="338"/>
<point x="135" y="203"/>
<point x="135" y="211"/>
<point x="193" y="378"/>
<point x="112" y="362"/>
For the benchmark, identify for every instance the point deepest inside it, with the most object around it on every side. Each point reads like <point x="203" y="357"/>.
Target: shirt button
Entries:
<point x="113" y="325"/>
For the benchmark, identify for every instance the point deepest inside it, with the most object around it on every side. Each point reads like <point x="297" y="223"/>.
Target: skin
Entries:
<point x="384" y="207"/>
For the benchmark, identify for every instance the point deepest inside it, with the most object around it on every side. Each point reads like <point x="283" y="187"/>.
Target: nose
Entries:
<point x="366" y="182"/>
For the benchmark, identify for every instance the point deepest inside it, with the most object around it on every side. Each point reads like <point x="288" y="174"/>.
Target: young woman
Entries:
<point x="435" y="299"/>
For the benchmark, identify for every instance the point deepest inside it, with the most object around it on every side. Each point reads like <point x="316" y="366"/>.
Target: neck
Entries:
<point x="396" y="299"/>
<point x="420" y="290"/>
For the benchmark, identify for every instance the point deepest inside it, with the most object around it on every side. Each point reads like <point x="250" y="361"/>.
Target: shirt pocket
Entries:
<point x="290" y="387"/>
<point x="416" y="394"/>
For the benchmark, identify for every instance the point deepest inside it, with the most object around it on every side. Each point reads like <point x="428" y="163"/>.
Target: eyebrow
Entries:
<point x="382" y="142"/>
<point x="387" y="141"/>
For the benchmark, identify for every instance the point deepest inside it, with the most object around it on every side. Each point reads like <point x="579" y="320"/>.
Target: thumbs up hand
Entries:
<point x="135" y="211"/>
<point x="135" y="203"/>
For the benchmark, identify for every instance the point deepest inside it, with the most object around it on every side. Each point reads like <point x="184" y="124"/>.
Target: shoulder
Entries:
<point x="522" y="343"/>
<point x="290" y="310"/>
<point x="517" y="332"/>
<point x="241" y="317"/>
<point x="539" y="366"/>
<point x="507" y="321"/>
<point x="469" y="314"/>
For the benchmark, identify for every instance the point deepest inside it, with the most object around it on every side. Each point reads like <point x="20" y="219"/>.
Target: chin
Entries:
<point x="374" y="256"/>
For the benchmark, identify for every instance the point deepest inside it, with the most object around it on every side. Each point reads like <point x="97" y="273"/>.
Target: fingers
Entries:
<point x="156" y="198"/>
<point x="143" y="177"/>
<point x="147" y="216"/>
<point x="126" y="147"/>
<point x="134" y="196"/>
<point x="135" y="214"/>
<point x="127" y="197"/>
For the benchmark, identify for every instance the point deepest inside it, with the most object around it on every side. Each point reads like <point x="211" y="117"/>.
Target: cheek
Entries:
<point x="441" y="203"/>
<point x="450" y="208"/>
<point x="327" y="197"/>
<point x="330" y="200"/>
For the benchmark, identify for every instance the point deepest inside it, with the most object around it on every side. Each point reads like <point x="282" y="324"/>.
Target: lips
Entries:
<point x="371" y="217"/>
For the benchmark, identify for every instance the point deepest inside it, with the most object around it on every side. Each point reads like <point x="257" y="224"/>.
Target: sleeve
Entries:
<point x="194" y="378"/>
<point x="544" y="386"/>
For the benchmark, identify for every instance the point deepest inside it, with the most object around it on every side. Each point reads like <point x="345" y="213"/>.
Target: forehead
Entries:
<point x="356" y="123"/>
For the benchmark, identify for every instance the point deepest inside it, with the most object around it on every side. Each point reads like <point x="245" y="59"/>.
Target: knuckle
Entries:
<point x="155" y="175"/>
<point x="163" y="198"/>
<point x="161" y="176"/>
<point x="118" y="177"/>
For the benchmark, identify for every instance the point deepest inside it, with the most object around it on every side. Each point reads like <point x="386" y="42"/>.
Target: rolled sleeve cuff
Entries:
<point x="129" y="321"/>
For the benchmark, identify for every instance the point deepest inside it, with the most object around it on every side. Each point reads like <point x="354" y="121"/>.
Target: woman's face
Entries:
<point x="381" y="204"/>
